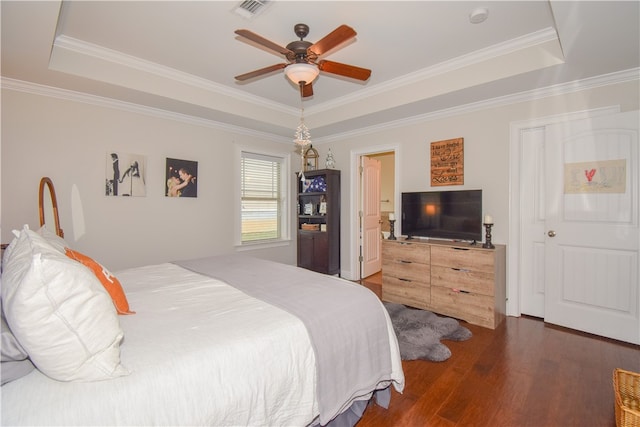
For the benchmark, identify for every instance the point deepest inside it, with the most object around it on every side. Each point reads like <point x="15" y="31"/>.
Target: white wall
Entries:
<point x="486" y="136"/>
<point x="68" y="141"/>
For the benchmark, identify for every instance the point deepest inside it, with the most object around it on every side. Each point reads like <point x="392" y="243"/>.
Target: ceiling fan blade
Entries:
<point x="263" y="42"/>
<point x="344" y="70"/>
<point x="333" y="39"/>
<point x="306" y="90"/>
<point x="260" y="72"/>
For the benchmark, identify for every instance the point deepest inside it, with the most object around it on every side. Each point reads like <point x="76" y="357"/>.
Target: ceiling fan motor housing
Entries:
<point x="300" y="51"/>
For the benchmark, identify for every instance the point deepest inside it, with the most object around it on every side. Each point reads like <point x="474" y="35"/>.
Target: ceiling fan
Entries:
<point x="303" y="65"/>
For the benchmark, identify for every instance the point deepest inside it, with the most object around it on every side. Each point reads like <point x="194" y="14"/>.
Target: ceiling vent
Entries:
<point x="251" y="8"/>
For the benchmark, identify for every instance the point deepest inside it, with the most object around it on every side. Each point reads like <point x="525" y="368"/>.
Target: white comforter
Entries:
<point x="183" y="326"/>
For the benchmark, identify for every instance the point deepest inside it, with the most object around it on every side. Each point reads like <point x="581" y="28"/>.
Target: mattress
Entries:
<point x="200" y="352"/>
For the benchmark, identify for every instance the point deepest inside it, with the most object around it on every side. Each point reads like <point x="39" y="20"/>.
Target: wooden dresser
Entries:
<point x="450" y="278"/>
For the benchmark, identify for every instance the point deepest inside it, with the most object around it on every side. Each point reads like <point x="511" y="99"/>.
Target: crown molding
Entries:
<point x="109" y="55"/>
<point x="526" y="96"/>
<point x="476" y="57"/>
<point x="128" y="61"/>
<point x="69" y="95"/>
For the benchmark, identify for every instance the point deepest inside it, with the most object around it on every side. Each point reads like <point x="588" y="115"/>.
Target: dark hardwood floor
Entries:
<point x="524" y="373"/>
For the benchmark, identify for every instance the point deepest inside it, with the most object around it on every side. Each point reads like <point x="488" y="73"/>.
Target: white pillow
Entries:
<point x="7" y="251"/>
<point x="52" y="238"/>
<point x="60" y="313"/>
<point x="14" y="360"/>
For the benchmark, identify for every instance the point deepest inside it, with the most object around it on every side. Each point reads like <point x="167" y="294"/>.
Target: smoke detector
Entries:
<point x="478" y="15"/>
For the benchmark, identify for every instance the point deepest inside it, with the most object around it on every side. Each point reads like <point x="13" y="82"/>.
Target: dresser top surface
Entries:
<point x="444" y="243"/>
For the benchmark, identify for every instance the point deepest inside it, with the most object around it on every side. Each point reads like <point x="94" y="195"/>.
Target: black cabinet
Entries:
<point x="319" y="221"/>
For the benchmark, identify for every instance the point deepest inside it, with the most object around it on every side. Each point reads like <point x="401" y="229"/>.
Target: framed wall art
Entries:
<point x="181" y="178"/>
<point x="125" y="174"/>
<point x="601" y="176"/>
<point x="447" y="162"/>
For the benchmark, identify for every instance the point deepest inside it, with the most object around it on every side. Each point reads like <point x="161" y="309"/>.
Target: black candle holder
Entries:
<point x="487" y="244"/>
<point x="391" y="229"/>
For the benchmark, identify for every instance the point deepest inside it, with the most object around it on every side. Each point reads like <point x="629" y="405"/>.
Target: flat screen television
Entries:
<point x="454" y="215"/>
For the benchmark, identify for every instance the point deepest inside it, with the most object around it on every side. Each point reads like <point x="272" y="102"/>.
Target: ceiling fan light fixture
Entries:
<point x="300" y="72"/>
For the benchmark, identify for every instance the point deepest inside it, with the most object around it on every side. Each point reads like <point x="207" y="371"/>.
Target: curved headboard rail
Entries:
<point x="47" y="181"/>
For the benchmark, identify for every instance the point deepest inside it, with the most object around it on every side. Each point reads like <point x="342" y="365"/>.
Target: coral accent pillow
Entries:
<point x="108" y="280"/>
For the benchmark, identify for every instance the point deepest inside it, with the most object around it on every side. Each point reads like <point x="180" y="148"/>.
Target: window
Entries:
<point x="263" y="198"/>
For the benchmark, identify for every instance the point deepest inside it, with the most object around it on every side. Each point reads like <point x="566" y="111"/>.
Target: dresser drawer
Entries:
<point x="406" y="270"/>
<point x="407" y="252"/>
<point x="463" y="279"/>
<point x="472" y="307"/>
<point x="412" y="293"/>
<point x="464" y="258"/>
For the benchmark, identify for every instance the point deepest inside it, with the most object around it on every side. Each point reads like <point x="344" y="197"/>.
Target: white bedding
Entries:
<point x="170" y="345"/>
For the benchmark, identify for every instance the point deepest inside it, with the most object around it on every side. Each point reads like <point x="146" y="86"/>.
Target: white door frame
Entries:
<point x="354" y="190"/>
<point x="513" y="247"/>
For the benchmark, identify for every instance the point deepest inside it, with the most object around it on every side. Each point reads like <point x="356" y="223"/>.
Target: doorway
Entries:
<point x="375" y="183"/>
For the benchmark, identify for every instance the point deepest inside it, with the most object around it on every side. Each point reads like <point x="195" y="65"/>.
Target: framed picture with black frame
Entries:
<point x="181" y="178"/>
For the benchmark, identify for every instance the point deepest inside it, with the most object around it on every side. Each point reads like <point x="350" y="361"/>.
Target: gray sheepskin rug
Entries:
<point x="419" y="332"/>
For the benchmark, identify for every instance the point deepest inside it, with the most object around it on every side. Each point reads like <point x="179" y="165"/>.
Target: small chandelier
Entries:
<point x="302" y="136"/>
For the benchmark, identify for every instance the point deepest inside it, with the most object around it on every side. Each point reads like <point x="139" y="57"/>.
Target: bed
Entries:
<point x="228" y="340"/>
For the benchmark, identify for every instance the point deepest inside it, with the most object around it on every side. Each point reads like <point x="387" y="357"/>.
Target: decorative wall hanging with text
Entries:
<point x="447" y="162"/>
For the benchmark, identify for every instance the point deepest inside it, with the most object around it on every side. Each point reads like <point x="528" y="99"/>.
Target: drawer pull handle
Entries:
<point x="461" y="249"/>
<point x="460" y="291"/>
<point x="404" y="280"/>
<point x="405" y="262"/>
<point x="462" y="270"/>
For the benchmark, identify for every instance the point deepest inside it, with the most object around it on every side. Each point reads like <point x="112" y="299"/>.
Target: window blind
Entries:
<point x="261" y="197"/>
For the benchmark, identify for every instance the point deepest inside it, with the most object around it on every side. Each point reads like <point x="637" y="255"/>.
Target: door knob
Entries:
<point x="551" y="233"/>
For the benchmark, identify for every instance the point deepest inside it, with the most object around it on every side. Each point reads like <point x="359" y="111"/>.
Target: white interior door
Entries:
<point x="591" y="224"/>
<point x="371" y="229"/>
<point x="532" y="220"/>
